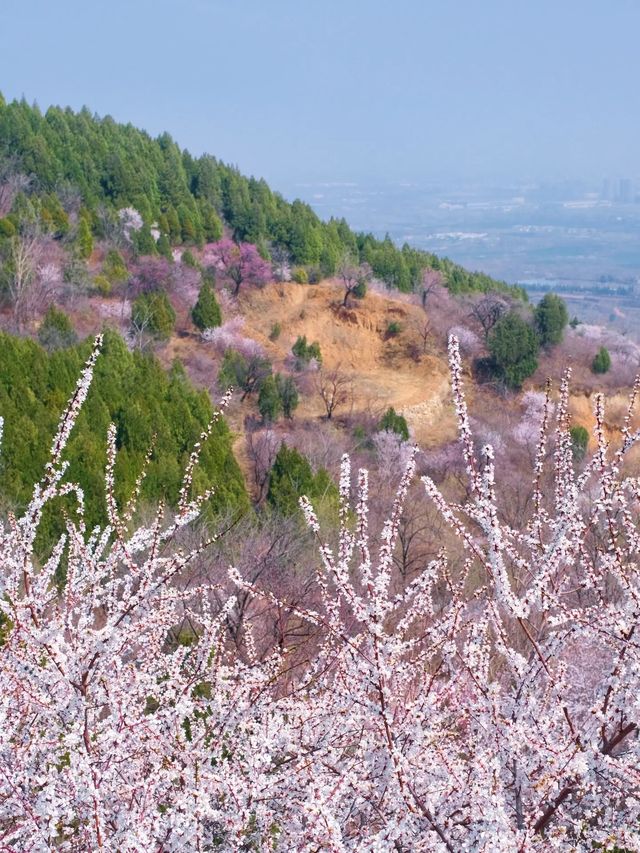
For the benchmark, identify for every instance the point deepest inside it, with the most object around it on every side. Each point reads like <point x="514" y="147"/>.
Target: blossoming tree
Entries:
<point x="492" y="705"/>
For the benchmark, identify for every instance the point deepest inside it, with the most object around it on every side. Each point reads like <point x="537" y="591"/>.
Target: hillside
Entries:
<point x="103" y="221"/>
<point x="383" y="371"/>
<point x="69" y="159"/>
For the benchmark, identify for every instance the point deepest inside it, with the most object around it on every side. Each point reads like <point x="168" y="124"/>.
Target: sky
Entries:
<point x="349" y="90"/>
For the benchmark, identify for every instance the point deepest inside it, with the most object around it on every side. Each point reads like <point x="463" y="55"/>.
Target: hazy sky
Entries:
<point x="299" y="90"/>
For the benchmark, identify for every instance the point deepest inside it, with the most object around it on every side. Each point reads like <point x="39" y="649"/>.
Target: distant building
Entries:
<point x="625" y="191"/>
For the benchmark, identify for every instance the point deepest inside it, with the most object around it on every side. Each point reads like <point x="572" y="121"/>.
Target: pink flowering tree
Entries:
<point x="238" y="263"/>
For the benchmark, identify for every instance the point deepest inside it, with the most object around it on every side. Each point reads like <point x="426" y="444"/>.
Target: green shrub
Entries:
<point x="164" y="247"/>
<point x="246" y="373"/>
<point x="102" y="284"/>
<point x="7" y="228"/>
<point x="188" y="259"/>
<point x="394" y="422"/>
<point x="360" y="434"/>
<point x="360" y="290"/>
<point x="601" y="361"/>
<point x="276" y="329"/>
<point x="289" y="396"/>
<point x="114" y="267"/>
<point x="299" y="275"/>
<point x="579" y="442"/>
<point x="84" y="239"/>
<point x="56" y="330"/>
<point x="144" y="242"/>
<point x="304" y="352"/>
<point x="393" y="328"/>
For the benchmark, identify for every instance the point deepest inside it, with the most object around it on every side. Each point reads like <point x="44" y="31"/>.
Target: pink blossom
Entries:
<point x="238" y="263"/>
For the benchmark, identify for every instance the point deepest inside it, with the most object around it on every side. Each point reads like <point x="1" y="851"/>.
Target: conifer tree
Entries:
<point x="84" y="239"/>
<point x="164" y="247"/>
<point x="602" y="361"/>
<point x="289" y="396"/>
<point x="206" y="312"/>
<point x="269" y="400"/>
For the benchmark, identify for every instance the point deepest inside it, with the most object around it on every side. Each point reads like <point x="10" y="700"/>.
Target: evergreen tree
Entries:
<point x="144" y="242"/>
<point x="289" y="396"/>
<point x="601" y="361"/>
<point x="164" y="247"/>
<point x="550" y="318"/>
<point x="392" y="422"/>
<point x="84" y="239"/>
<point x="56" y="330"/>
<point x="154" y="314"/>
<point x="212" y="225"/>
<point x="187" y="225"/>
<point x="175" y="230"/>
<point x="114" y="267"/>
<point x="513" y="345"/>
<point x="130" y="390"/>
<point x="291" y="477"/>
<point x="269" y="400"/>
<point x="579" y="442"/>
<point x="206" y="312"/>
<point x="116" y="166"/>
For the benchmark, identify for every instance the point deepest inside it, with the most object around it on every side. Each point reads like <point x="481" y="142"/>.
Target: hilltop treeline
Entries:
<point x="190" y="199"/>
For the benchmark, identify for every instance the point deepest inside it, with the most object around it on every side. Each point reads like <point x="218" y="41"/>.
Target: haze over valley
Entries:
<point x="577" y="238"/>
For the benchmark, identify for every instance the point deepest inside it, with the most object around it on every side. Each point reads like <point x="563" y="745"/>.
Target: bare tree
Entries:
<point x="12" y="182"/>
<point x="281" y="260"/>
<point x="430" y="281"/>
<point x="353" y="276"/>
<point x="28" y="290"/>
<point x="334" y="387"/>
<point x="140" y="325"/>
<point x="487" y="311"/>
<point x="262" y="449"/>
<point x="423" y="330"/>
<point x="420" y="534"/>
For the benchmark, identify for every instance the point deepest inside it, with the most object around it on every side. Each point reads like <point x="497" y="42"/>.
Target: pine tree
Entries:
<point x="269" y="400"/>
<point x="551" y="317"/>
<point x="84" y="239"/>
<point x="206" y="312"/>
<point x="164" y="247"/>
<point x="513" y="345"/>
<point x="289" y="396"/>
<point x="144" y="242"/>
<point x="56" y="331"/>
<point x="602" y="361"/>
<point x="187" y="225"/>
<point x="393" y="422"/>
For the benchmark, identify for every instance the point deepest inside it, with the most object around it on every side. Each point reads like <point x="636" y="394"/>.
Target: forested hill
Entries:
<point x="190" y="199"/>
<point x="152" y="410"/>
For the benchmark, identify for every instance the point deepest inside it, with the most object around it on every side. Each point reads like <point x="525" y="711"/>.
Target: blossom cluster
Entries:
<point x="490" y="705"/>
